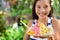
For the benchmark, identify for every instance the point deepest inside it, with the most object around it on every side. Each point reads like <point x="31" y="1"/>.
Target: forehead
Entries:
<point x="43" y="2"/>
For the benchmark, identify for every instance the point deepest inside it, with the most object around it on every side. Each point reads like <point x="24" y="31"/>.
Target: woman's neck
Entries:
<point x="44" y="20"/>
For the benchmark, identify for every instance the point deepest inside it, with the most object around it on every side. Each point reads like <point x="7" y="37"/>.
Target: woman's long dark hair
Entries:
<point x="34" y="13"/>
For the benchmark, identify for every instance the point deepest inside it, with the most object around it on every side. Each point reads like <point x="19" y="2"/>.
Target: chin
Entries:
<point x="42" y="17"/>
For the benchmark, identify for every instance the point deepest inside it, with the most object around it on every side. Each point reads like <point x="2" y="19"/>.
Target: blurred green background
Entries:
<point x="18" y="13"/>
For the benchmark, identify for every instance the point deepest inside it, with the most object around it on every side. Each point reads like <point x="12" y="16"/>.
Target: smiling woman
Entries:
<point x="42" y="16"/>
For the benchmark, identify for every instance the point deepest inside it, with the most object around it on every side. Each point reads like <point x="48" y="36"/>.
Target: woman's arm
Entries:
<point x="26" y="36"/>
<point x="56" y="27"/>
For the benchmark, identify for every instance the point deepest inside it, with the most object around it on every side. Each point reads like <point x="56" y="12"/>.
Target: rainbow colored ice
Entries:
<point x="40" y="30"/>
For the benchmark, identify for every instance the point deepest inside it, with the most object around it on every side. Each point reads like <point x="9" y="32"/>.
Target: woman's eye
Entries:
<point x="39" y="7"/>
<point x="45" y="6"/>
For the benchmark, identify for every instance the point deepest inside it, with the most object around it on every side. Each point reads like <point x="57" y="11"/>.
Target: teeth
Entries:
<point x="42" y="13"/>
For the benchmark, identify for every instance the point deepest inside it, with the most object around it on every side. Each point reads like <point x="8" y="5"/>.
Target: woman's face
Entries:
<point x="42" y="8"/>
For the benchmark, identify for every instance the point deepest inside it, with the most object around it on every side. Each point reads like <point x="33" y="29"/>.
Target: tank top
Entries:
<point x="49" y="24"/>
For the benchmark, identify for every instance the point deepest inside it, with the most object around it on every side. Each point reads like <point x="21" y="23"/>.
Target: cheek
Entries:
<point x="36" y="10"/>
<point x="48" y="11"/>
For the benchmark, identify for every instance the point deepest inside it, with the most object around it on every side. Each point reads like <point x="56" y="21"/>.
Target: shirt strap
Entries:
<point x="49" y="22"/>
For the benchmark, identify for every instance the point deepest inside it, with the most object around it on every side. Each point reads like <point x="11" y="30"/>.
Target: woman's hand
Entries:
<point x="43" y="36"/>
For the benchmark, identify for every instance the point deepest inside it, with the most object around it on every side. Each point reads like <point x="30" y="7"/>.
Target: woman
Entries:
<point x="42" y="12"/>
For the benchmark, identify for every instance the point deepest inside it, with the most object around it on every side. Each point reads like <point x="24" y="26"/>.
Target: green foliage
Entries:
<point x="24" y="20"/>
<point x="2" y="22"/>
<point x="27" y="11"/>
<point x="13" y="34"/>
<point x="22" y="7"/>
<point x="56" y="6"/>
<point x="22" y="31"/>
<point x="10" y="33"/>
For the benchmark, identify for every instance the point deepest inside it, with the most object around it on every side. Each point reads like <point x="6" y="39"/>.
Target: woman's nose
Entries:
<point x="42" y="10"/>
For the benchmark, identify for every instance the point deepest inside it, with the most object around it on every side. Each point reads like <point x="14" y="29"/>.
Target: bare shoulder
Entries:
<point x="30" y="22"/>
<point x="55" y="20"/>
<point x="56" y="23"/>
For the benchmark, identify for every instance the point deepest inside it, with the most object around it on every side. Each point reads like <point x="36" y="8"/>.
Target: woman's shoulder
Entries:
<point x="56" y="22"/>
<point x="30" y="22"/>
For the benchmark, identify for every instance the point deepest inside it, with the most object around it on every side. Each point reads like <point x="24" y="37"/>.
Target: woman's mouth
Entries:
<point x="42" y="13"/>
